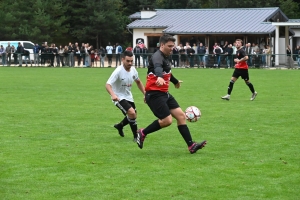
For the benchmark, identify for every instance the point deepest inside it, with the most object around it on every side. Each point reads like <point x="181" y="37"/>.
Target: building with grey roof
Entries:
<point x="211" y="26"/>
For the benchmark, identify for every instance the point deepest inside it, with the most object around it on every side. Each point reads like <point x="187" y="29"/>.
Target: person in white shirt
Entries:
<point x="119" y="87"/>
<point x="109" y="54"/>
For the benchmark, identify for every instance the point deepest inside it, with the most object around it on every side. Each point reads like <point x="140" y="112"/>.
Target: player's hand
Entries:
<point x="115" y="98"/>
<point x="236" y="60"/>
<point x="178" y="84"/>
<point x="160" y="81"/>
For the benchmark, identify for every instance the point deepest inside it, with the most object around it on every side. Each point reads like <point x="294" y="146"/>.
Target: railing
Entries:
<point x="142" y="60"/>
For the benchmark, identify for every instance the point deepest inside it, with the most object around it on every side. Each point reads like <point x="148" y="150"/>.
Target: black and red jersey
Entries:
<point x="241" y="54"/>
<point x="159" y="66"/>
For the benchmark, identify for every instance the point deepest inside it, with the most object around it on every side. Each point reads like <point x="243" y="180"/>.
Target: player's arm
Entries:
<point x="176" y="82"/>
<point x="140" y="86"/>
<point x="111" y="92"/>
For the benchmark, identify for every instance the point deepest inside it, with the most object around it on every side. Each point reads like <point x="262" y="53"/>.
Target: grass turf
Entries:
<point x="57" y="140"/>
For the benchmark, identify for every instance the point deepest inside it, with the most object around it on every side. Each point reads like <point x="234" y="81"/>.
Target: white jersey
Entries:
<point x="121" y="82"/>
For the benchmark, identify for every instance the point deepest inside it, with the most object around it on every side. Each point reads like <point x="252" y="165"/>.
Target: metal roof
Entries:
<point x="210" y="21"/>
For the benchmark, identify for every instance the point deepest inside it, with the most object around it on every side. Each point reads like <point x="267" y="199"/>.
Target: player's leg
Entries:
<point x="245" y="76"/>
<point x="157" y="103"/>
<point x="179" y="115"/>
<point x="128" y="112"/>
<point x="233" y="79"/>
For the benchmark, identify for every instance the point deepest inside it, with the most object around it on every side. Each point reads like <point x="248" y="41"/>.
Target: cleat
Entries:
<point x="134" y="139"/>
<point x="253" y="96"/>
<point x="120" y="129"/>
<point x="140" y="138"/>
<point x="226" y="97"/>
<point x="196" y="146"/>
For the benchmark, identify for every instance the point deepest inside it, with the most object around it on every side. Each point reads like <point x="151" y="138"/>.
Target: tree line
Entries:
<point x="99" y="21"/>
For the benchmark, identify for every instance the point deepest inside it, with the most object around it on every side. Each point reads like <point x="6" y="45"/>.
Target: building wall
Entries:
<point x="140" y="33"/>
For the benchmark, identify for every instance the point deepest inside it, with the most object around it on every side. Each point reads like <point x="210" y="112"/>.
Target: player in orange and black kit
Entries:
<point x="241" y="69"/>
<point x="160" y="101"/>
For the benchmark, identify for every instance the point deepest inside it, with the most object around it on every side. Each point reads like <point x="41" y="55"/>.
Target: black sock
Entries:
<point x="250" y="86"/>
<point x="124" y="122"/>
<point x="185" y="132"/>
<point x="152" y="127"/>
<point x="230" y="87"/>
<point x="133" y="126"/>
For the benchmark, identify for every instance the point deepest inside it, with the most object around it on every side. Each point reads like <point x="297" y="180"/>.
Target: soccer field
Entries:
<point x="57" y="139"/>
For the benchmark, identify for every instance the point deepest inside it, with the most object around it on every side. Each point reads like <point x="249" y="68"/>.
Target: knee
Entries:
<point x="131" y="113"/>
<point x="166" y="121"/>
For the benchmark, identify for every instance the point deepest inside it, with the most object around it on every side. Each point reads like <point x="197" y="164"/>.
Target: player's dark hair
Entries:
<point x="239" y="40"/>
<point x="127" y="53"/>
<point x="166" y="38"/>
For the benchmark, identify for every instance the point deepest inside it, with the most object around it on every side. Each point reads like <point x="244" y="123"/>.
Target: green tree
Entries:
<point x="97" y="21"/>
<point x="35" y="20"/>
<point x="290" y="8"/>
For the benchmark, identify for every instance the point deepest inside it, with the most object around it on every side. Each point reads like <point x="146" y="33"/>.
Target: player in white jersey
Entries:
<point x="119" y="87"/>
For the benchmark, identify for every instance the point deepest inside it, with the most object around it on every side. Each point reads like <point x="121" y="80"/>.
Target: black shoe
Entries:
<point x="196" y="146"/>
<point x="120" y="129"/>
<point x="140" y="138"/>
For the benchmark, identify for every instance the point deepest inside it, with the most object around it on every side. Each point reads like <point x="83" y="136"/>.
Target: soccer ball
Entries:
<point x="192" y="114"/>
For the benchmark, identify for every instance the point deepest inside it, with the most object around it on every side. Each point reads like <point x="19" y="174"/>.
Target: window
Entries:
<point x="27" y="45"/>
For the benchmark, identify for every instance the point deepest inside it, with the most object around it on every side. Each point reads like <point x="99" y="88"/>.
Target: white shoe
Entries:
<point x="253" y="96"/>
<point x="226" y="97"/>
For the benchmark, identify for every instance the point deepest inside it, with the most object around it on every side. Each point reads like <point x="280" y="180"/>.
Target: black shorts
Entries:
<point x="182" y="57"/>
<point x="160" y="103"/>
<point x="241" y="72"/>
<point x="125" y="105"/>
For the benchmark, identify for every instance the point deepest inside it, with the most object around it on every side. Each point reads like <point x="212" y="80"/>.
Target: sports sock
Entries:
<point x="230" y="87"/>
<point x="124" y="122"/>
<point x="185" y="132"/>
<point x="250" y="86"/>
<point x="154" y="126"/>
<point x="133" y="126"/>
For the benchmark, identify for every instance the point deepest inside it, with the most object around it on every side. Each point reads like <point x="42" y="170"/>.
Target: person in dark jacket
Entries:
<point x="20" y="51"/>
<point x="201" y="52"/>
<point x="190" y="53"/>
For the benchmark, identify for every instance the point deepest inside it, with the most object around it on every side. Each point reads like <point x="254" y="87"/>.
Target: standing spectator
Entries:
<point x="256" y="55"/>
<point x="102" y="56"/>
<point x="55" y="56"/>
<point x="196" y="59"/>
<point x="71" y="55"/>
<point x="182" y="56"/>
<point x="36" y="51"/>
<point x="268" y="56"/>
<point x="264" y="56"/>
<point x="175" y="56"/>
<point x="20" y="51"/>
<point x="92" y="57"/>
<point x="217" y="52"/>
<point x="119" y="51"/>
<point x="13" y="51"/>
<point x="66" y="55"/>
<point x="109" y="51"/>
<point x="145" y="56"/>
<point x="249" y="52"/>
<point x="26" y="56"/>
<point x="190" y="53"/>
<point x="228" y="53"/>
<point x="201" y="52"/>
<point x="78" y="55"/>
<point x="289" y="58"/>
<point x="61" y="56"/>
<point x="297" y="53"/>
<point x="2" y="51"/>
<point x="43" y="54"/>
<point x="137" y="55"/>
<point x="234" y="48"/>
<point x="8" y="53"/>
<point x="87" y="55"/>
<point x="206" y="56"/>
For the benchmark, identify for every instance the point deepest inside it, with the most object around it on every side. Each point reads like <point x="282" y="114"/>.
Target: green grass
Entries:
<point x="57" y="139"/>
